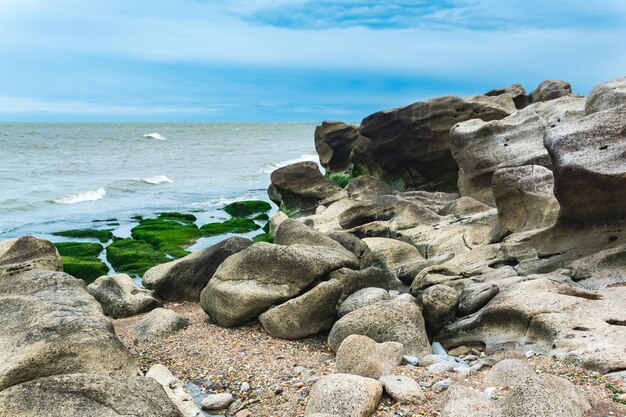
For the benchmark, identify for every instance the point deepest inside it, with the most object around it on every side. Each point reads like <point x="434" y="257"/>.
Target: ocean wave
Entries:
<point x="91" y="195"/>
<point x="273" y="166"/>
<point x="219" y="203"/>
<point x="157" y="179"/>
<point x="154" y="136"/>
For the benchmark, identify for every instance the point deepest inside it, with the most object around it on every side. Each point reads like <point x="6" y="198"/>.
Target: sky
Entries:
<point x="289" y="60"/>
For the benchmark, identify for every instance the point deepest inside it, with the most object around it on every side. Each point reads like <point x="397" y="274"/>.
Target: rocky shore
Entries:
<point x="458" y="257"/>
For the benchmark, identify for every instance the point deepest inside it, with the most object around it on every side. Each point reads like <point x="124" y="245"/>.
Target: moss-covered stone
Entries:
<point x="247" y="208"/>
<point x="103" y="235"/>
<point x="236" y="225"/>
<point x="341" y="179"/>
<point x="86" y="269"/>
<point x="261" y="217"/>
<point x="168" y="233"/>
<point x="79" y="249"/>
<point x="134" y="257"/>
<point x="263" y="237"/>
<point x="177" y="215"/>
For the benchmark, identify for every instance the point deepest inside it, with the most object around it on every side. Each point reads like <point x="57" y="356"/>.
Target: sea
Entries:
<point x="60" y="176"/>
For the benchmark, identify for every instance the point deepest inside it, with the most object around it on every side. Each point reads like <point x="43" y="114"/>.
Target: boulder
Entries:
<point x="508" y="373"/>
<point x="391" y="253"/>
<point x="175" y="390"/>
<point x="550" y="90"/>
<point x="160" y="323"/>
<point x="362" y="298"/>
<point x="344" y="395"/>
<point x="403" y="389"/>
<point x="409" y="146"/>
<point x="28" y="253"/>
<point x="525" y="198"/>
<point x="184" y="278"/>
<point x="480" y="148"/>
<point x="50" y="325"/>
<point x="439" y="304"/>
<point x="301" y="188"/>
<point x="120" y="297"/>
<point x="386" y="321"/>
<point x="466" y="402"/>
<point x="407" y="272"/>
<point x="475" y="296"/>
<point x="381" y="208"/>
<point x="87" y="395"/>
<point x="263" y="274"/>
<point x="589" y="167"/>
<point x="360" y="355"/>
<point x="606" y="95"/>
<point x="276" y="220"/>
<point x="602" y="269"/>
<point x="515" y="91"/>
<point x="305" y="315"/>
<point x="334" y="142"/>
<point x="356" y="246"/>
<point x="353" y="281"/>
<point x="465" y="207"/>
<point x="292" y="232"/>
<point x="366" y="187"/>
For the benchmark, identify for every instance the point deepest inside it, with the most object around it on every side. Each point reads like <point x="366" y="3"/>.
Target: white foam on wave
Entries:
<point x="157" y="179"/>
<point x="91" y="195"/>
<point x="154" y="135"/>
<point x="273" y="166"/>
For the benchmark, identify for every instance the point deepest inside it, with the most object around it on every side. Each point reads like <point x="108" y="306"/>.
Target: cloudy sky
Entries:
<point x="289" y="60"/>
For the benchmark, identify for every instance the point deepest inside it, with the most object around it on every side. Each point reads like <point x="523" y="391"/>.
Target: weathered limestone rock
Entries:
<point x="305" y="315"/>
<point x="360" y="355"/>
<point x="334" y="142"/>
<point x="604" y="268"/>
<point x="550" y="90"/>
<point x="175" y="390"/>
<point x="525" y="198"/>
<point x="301" y="187"/>
<point x="250" y="281"/>
<point x="606" y="95"/>
<point x="590" y="168"/>
<point x="439" y="304"/>
<point x="344" y="395"/>
<point x="184" y="278"/>
<point x="409" y="146"/>
<point x="27" y="253"/>
<point x="87" y="395"/>
<point x="160" y="323"/>
<point x="50" y="325"/>
<point x="395" y="320"/>
<point x="120" y="297"/>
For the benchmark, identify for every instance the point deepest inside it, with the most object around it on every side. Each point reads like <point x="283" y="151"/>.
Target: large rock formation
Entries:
<point x="334" y="142"/>
<point x="606" y="96"/>
<point x="28" y="253"/>
<point x="184" y="278"/>
<point x="589" y="167"/>
<point x="301" y="188"/>
<point x="550" y="90"/>
<point x="250" y="281"/>
<point x="50" y="325"/>
<point x="515" y="91"/>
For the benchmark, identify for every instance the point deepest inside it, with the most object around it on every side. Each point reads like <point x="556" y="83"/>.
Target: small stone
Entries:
<point x="441" y="386"/>
<point x="244" y="387"/>
<point x="243" y="413"/>
<point x="438" y="349"/>
<point x="403" y="389"/>
<point x="217" y="401"/>
<point x="529" y="353"/>
<point x="410" y="360"/>
<point x="439" y="368"/>
<point x="459" y="351"/>
<point x="622" y="397"/>
<point x="489" y="392"/>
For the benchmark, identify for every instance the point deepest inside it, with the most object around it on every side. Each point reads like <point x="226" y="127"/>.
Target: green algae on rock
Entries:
<point x="247" y="208"/>
<point x="236" y="225"/>
<point x="168" y="233"/>
<point x="264" y="237"/>
<point x="80" y="259"/>
<point x="103" y="235"/>
<point x="341" y="179"/>
<point x="79" y="249"/>
<point x="134" y="257"/>
<point x="260" y="217"/>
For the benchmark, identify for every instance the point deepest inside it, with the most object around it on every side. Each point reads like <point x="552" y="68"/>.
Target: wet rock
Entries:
<point x="160" y="323"/>
<point x="120" y="297"/>
<point x="344" y="395"/>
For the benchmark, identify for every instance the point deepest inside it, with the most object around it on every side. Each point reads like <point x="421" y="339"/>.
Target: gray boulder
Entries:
<point x="292" y="232"/>
<point x="589" y="167"/>
<point x="305" y="315"/>
<point x="386" y="321"/>
<point x="525" y="198"/>
<point x="120" y="297"/>
<point x="366" y="187"/>
<point x="550" y="90"/>
<point x="28" y="253"/>
<point x="354" y="281"/>
<point x="334" y="142"/>
<point x="263" y="274"/>
<point x="344" y="395"/>
<point x="87" y="395"/>
<point x="160" y="323"/>
<point x="362" y="298"/>
<point x="439" y="304"/>
<point x="475" y="296"/>
<point x="391" y="253"/>
<point x="50" y="325"/>
<point x="354" y="245"/>
<point x="184" y="278"/>
<point x="606" y="95"/>
<point x="301" y="188"/>
<point x="360" y="355"/>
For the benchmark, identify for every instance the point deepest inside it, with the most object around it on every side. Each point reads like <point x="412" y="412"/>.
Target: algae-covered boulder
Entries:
<point x="184" y="278"/>
<point x="120" y="297"/>
<point x="263" y="274"/>
<point x="50" y="325"/>
<point x="247" y="208"/>
<point x="80" y="259"/>
<point x="301" y="187"/>
<point x="103" y="235"/>
<point x="27" y="253"/>
<point x="236" y="225"/>
<point x="134" y="257"/>
<point x="87" y="395"/>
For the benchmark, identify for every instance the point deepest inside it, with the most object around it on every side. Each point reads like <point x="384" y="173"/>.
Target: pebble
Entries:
<point x="438" y="349"/>
<point x="441" y="386"/>
<point x="411" y="360"/>
<point x="459" y="351"/>
<point x="244" y="387"/>
<point x="489" y="392"/>
<point x="529" y="353"/>
<point x="439" y="368"/>
<point x="217" y="401"/>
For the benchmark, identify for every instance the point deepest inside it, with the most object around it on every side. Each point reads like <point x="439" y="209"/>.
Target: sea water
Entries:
<point x="59" y="176"/>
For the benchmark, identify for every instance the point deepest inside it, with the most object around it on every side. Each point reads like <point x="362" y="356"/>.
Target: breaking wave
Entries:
<point x="91" y="195"/>
<point x="272" y="166"/>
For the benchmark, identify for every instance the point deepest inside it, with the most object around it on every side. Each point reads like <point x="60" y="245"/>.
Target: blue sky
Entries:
<point x="289" y="60"/>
